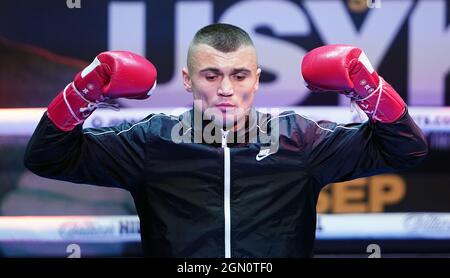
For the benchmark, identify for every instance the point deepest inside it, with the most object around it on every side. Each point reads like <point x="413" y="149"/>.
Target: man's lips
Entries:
<point x="225" y="105"/>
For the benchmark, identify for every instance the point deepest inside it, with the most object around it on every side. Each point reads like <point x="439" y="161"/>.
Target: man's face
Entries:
<point x="223" y="84"/>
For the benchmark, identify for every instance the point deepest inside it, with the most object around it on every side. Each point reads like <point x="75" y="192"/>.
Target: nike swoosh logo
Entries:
<point x="260" y="157"/>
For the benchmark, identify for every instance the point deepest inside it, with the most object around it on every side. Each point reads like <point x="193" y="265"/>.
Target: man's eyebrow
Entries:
<point x="241" y="70"/>
<point x="215" y="70"/>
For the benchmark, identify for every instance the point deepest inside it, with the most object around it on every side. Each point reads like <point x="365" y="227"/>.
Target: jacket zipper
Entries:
<point x="226" y="195"/>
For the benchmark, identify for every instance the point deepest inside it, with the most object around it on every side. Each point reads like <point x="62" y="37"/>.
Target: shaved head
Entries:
<point x="220" y="36"/>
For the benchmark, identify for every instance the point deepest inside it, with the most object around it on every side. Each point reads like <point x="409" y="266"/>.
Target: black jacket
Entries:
<point x="251" y="197"/>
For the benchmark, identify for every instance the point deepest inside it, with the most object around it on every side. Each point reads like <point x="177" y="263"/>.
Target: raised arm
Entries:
<point x="389" y="141"/>
<point x="61" y="149"/>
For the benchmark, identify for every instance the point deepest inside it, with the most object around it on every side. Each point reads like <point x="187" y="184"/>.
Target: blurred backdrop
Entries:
<point x="43" y="44"/>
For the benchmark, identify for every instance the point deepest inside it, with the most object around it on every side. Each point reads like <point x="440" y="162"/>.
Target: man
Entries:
<point x="231" y="184"/>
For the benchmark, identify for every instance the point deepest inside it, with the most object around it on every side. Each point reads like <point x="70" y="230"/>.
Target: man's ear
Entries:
<point x="187" y="83"/>
<point x="258" y="74"/>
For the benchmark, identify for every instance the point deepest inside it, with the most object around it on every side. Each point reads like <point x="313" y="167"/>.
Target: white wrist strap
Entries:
<point x="379" y="88"/>
<point x="91" y="105"/>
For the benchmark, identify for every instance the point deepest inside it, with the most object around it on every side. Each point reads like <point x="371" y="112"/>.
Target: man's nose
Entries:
<point x="226" y="87"/>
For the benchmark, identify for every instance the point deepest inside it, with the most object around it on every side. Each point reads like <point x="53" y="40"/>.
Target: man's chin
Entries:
<point x="225" y="122"/>
<point x="227" y="119"/>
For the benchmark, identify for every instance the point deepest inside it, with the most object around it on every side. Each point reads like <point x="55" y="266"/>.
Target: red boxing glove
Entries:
<point x="112" y="74"/>
<point x="347" y="69"/>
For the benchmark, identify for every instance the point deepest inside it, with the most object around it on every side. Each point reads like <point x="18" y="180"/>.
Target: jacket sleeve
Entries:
<point x="340" y="153"/>
<point x="112" y="156"/>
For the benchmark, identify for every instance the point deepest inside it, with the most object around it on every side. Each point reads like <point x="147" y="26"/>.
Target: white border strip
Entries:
<point x="23" y="121"/>
<point x="114" y="229"/>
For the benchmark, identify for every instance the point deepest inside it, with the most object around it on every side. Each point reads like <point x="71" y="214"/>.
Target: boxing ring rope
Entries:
<point x="114" y="229"/>
<point x="22" y="121"/>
